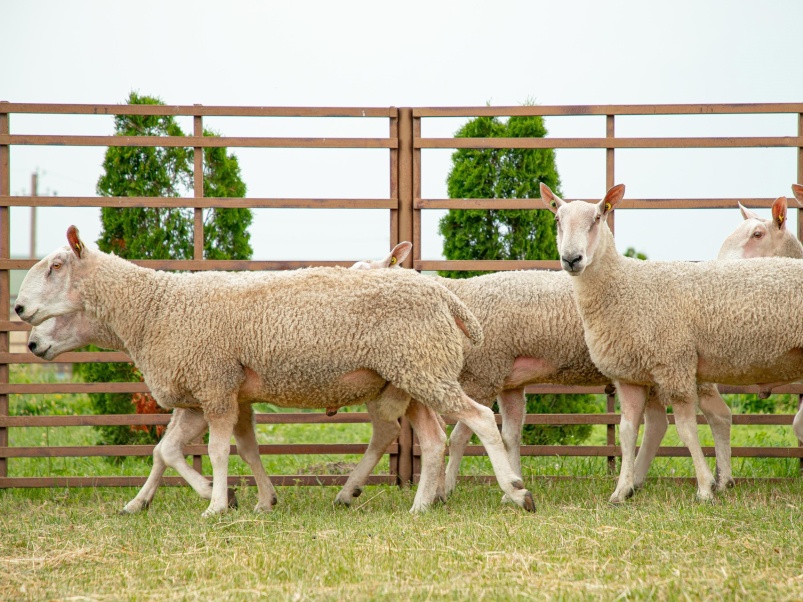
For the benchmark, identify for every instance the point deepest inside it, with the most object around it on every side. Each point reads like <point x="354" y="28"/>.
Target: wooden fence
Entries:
<point x="404" y="143"/>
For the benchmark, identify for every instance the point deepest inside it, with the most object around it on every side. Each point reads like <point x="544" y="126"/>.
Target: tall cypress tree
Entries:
<point x="509" y="234"/>
<point x="160" y="233"/>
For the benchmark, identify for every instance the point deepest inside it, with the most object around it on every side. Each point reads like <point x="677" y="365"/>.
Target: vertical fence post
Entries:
<point x="405" y="217"/>
<point x="416" y="240"/>
<point x="198" y="221"/>
<point x="610" y="403"/>
<point x="800" y="237"/>
<point x="5" y="279"/>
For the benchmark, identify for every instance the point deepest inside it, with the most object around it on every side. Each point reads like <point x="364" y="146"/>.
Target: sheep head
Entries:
<point x="755" y="236"/>
<point x="63" y="333"/>
<point x="46" y="290"/>
<point x="391" y="260"/>
<point x="578" y="226"/>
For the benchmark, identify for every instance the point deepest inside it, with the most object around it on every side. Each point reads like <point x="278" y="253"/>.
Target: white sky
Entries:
<point x="412" y="54"/>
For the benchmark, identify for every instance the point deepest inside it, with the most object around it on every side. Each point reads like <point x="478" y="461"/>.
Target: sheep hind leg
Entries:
<point x="719" y="418"/>
<point x="248" y="448"/>
<point x="686" y="424"/>
<point x="432" y="438"/>
<point x="481" y="420"/>
<point x="383" y="434"/>
<point x="632" y="399"/>
<point x="184" y="426"/>
<point x="512" y="405"/>
<point x="655" y="424"/>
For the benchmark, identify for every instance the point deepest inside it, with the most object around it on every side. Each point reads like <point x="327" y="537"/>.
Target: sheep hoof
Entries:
<point x="132" y="508"/>
<point x="232" y="498"/>
<point x="529" y="502"/>
<point x="343" y="501"/>
<point x="619" y="498"/>
<point x="357" y="492"/>
<point x="274" y="500"/>
<point x="728" y="483"/>
<point x="259" y="508"/>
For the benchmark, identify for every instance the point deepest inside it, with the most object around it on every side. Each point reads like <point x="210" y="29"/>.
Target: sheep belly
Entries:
<point x="351" y="388"/>
<point x="786" y="367"/>
<point x="529" y="369"/>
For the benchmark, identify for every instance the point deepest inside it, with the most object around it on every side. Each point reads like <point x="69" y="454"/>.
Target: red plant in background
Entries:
<point x="146" y="404"/>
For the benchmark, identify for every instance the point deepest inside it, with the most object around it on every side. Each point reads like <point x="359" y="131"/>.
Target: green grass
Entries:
<point x="660" y="545"/>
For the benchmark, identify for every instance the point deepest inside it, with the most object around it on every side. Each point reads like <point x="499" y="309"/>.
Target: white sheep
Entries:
<point x="71" y="331"/>
<point x="757" y="237"/>
<point x="321" y="337"/>
<point x="668" y="324"/>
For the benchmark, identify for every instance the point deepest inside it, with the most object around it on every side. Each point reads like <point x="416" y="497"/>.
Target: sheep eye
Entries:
<point x="757" y="234"/>
<point x="56" y="266"/>
<point x="596" y="219"/>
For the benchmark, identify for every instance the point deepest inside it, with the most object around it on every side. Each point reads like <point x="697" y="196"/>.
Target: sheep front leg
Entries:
<point x="655" y="424"/>
<point x="383" y="434"/>
<point x="632" y="399"/>
<point x="481" y="420"/>
<point x="184" y="426"/>
<point x="458" y="440"/>
<point x="248" y="448"/>
<point x="432" y="439"/>
<point x="221" y="419"/>
<point x="797" y="424"/>
<point x="719" y="418"/>
<point x="686" y="424"/>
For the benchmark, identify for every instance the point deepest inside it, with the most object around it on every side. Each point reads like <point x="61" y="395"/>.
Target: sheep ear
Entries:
<point x="550" y="199"/>
<point x="746" y="213"/>
<point x="75" y="242"/>
<point x="779" y="212"/>
<point x="612" y="198"/>
<point x="797" y="190"/>
<point x="399" y="253"/>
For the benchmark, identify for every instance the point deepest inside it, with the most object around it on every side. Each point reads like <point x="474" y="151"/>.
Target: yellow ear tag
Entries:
<point x="607" y="207"/>
<point x="393" y="261"/>
<point x="553" y="204"/>
<point x="78" y="247"/>
<point x="781" y="218"/>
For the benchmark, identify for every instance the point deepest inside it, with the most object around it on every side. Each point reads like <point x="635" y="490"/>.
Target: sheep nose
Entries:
<point x="570" y="261"/>
<point x="32" y="346"/>
<point x="20" y="309"/>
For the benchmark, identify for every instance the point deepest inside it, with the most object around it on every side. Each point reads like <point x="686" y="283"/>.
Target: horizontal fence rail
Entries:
<point x="404" y="203"/>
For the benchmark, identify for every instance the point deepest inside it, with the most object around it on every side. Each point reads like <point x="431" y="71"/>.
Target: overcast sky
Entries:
<point x="412" y="54"/>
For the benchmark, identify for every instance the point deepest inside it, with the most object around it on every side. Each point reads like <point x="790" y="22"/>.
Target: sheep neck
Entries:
<point x="107" y="281"/>
<point x="595" y="289"/>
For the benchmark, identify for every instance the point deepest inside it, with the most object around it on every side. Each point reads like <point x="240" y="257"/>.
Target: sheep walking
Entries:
<point x="321" y="337"/>
<point x="670" y="324"/>
<point x="71" y="331"/>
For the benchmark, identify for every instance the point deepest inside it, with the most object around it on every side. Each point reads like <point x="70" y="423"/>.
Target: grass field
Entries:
<point x="70" y="544"/>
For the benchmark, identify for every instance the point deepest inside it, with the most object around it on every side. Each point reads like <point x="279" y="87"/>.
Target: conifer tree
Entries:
<point x="160" y="233"/>
<point x="509" y="234"/>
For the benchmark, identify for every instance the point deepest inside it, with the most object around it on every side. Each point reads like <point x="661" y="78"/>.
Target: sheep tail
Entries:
<point x="464" y="319"/>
